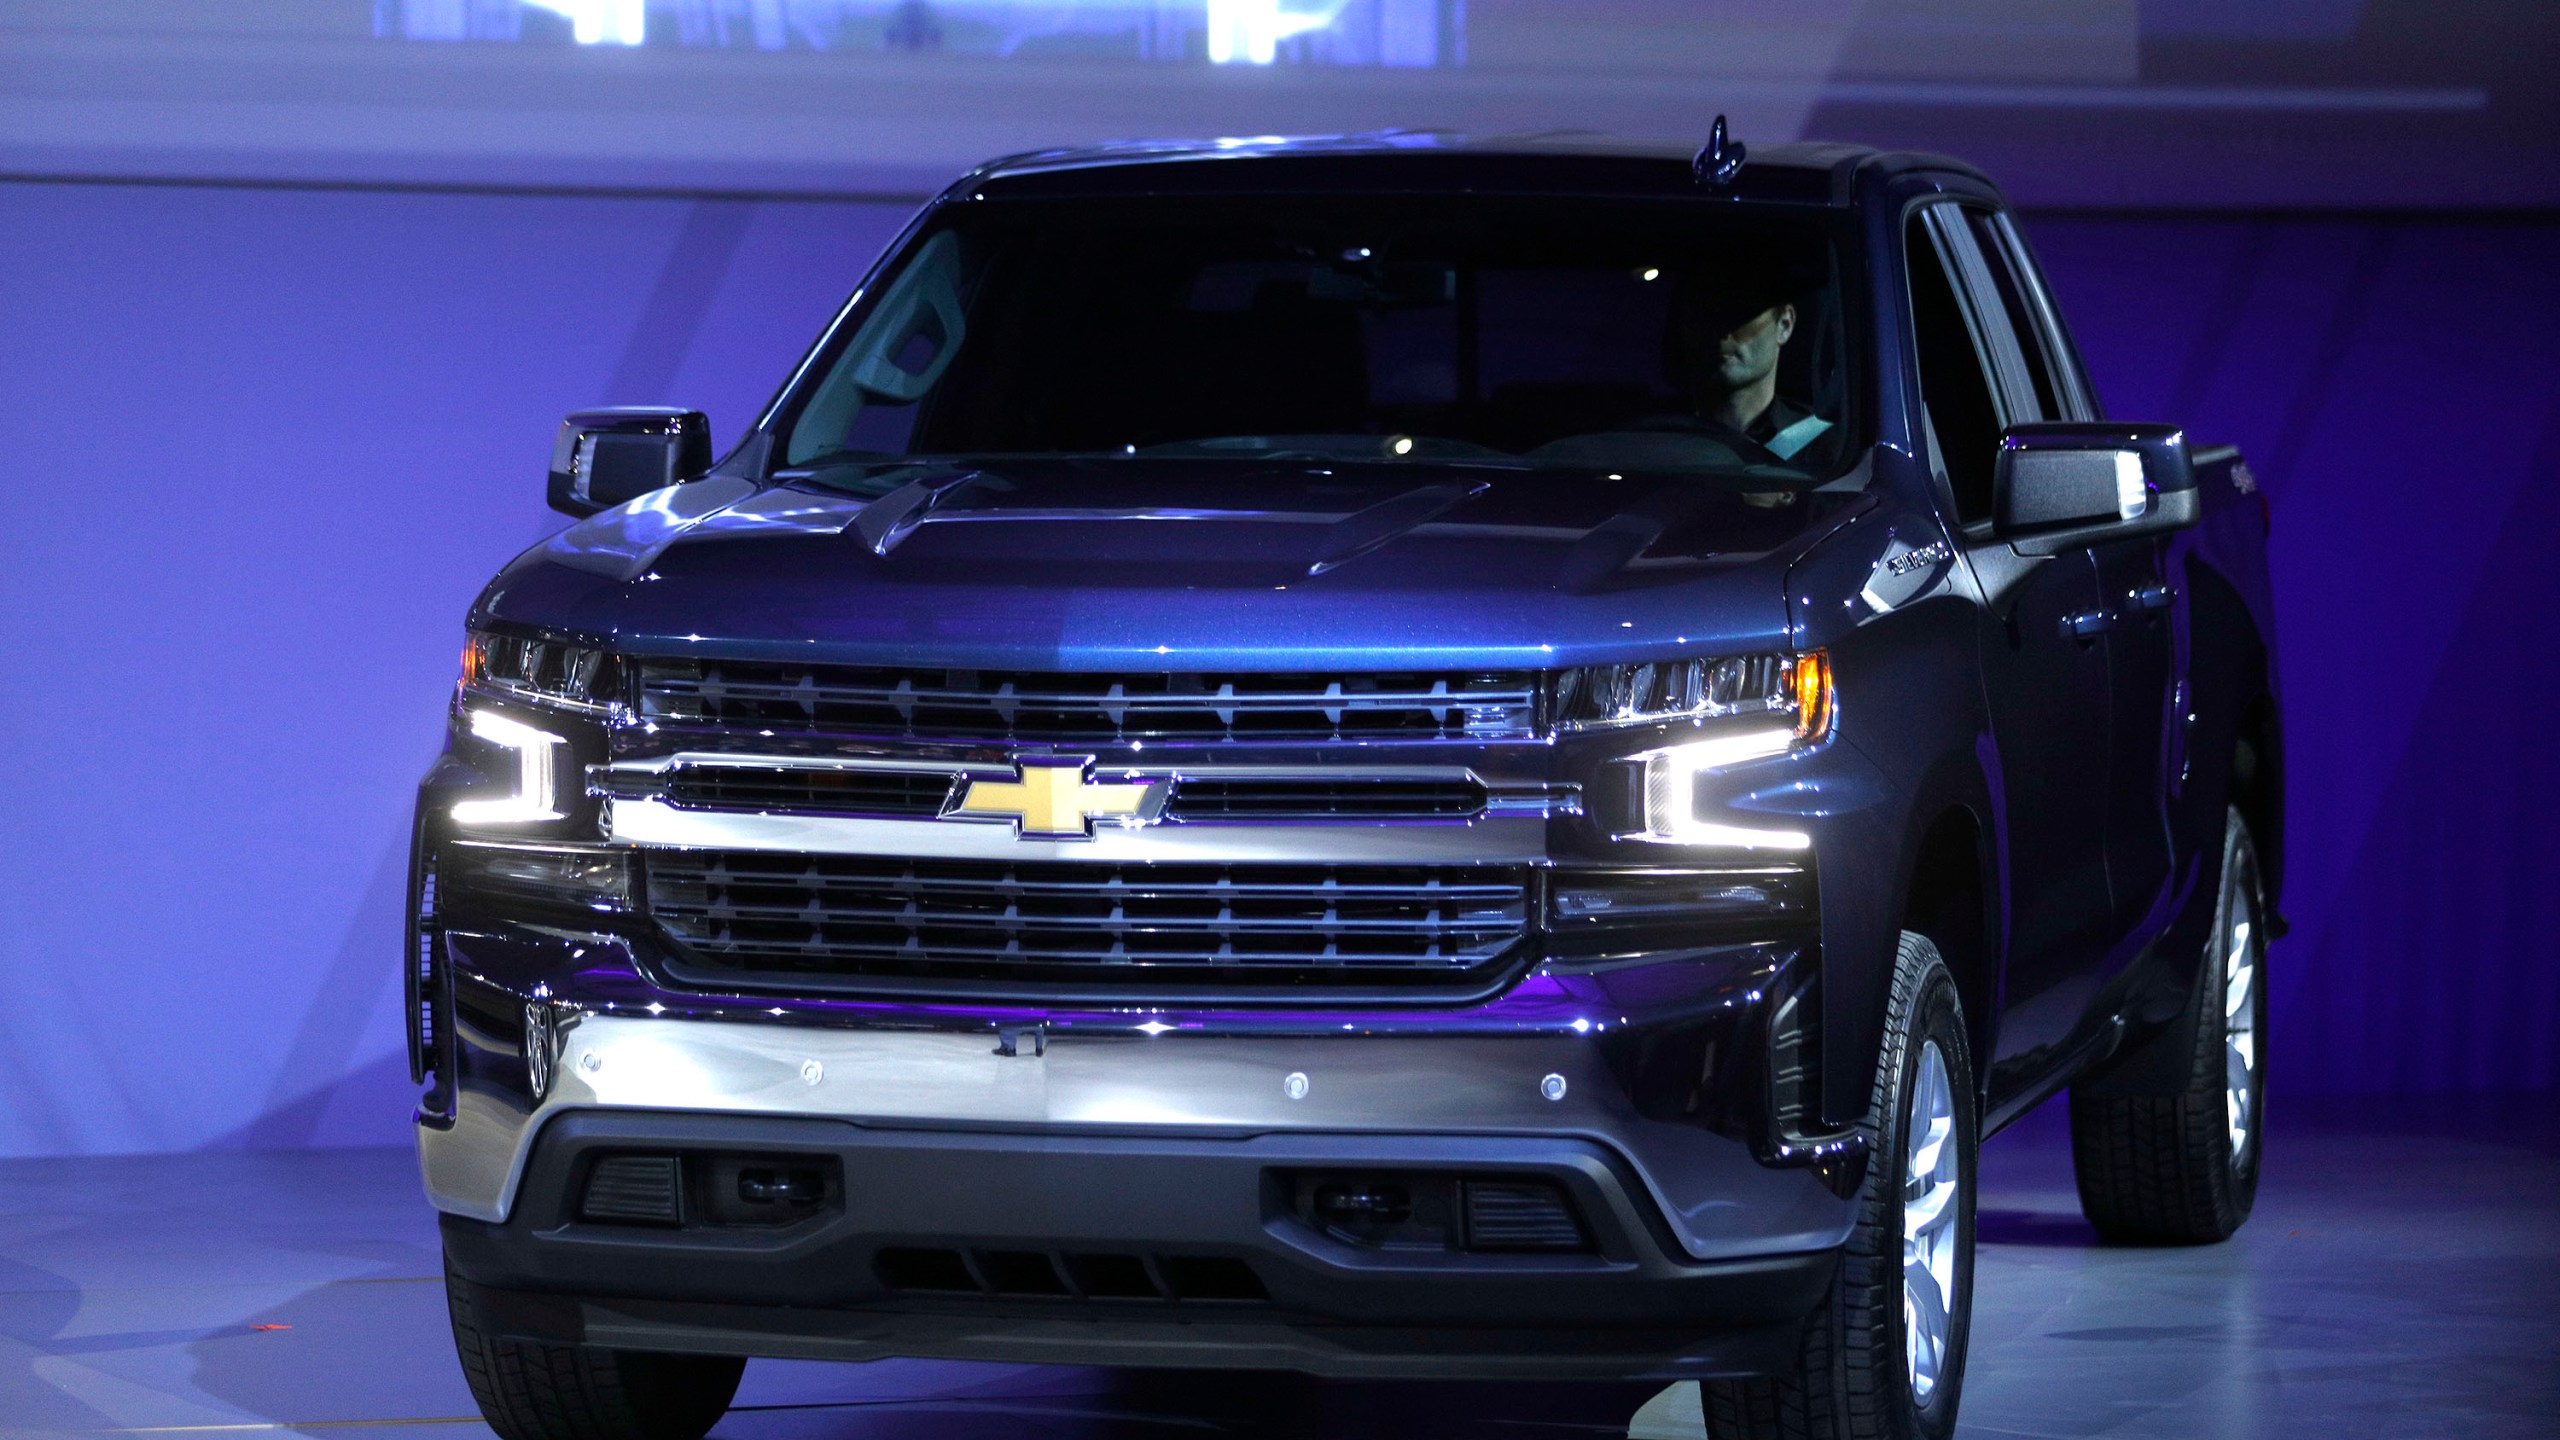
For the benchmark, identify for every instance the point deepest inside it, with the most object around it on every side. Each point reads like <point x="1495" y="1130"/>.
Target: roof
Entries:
<point x="1544" y="161"/>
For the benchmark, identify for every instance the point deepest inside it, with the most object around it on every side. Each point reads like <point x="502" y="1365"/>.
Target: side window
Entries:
<point x="2051" y="367"/>
<point x="1955" y="388"/>
<point x="2072" y="371"/>
<point x="2012" y="383"/>
<point x="2042" y="398"/>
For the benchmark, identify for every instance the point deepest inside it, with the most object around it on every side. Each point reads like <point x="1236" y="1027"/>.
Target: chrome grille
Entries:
<point x="1143" y="929"/>
<point x="1086" y="708"/>
<point x="1276" y="798"/>
<point x="922" y="793"/>
<point x="809" y="790"/>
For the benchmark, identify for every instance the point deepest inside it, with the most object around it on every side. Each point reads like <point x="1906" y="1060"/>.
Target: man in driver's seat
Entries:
<point x="1725" y="342"/>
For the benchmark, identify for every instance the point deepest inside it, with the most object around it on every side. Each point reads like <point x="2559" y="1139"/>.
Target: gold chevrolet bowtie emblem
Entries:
<point x="1054" y="800"/>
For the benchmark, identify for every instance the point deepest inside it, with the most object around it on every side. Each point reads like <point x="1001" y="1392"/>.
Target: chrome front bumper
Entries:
<point x="1593" y="1061"/>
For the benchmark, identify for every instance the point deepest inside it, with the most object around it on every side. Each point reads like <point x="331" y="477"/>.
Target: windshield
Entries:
<point x="1591" y="335"/>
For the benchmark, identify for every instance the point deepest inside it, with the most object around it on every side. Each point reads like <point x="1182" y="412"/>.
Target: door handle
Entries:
<point x="2154" y="598"/>
<point x="2088" y="624"/>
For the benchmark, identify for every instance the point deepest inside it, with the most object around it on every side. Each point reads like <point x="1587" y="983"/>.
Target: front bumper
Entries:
<point x="1148" y="1133"/>
<point x="1075" y="1204"/>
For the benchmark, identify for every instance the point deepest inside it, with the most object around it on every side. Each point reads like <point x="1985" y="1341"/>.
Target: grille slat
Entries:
<point x="995" y="706"/>
<point x="737" y="916"/>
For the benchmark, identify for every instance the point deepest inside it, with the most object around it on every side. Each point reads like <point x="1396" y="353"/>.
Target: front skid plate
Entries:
<point x="1787" y="1286"/>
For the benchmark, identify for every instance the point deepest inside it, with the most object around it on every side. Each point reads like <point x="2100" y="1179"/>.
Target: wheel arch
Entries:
<point x="2238" y="740"/>
<point x="1947" y="896"/>
<point x="2257" y="788"/>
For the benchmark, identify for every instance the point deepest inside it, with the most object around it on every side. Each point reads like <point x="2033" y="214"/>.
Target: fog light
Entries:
<point x="1364" y="1204"/>
<point x="781" y="1187"/>
<point x="1639" y="897"/>
<point x="588" y="878"/>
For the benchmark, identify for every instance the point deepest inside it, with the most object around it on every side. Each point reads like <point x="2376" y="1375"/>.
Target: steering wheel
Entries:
<point x="1746" y="451"/>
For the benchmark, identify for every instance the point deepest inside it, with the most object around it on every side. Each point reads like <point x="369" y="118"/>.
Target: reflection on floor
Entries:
<point x="2397" y="1280"/>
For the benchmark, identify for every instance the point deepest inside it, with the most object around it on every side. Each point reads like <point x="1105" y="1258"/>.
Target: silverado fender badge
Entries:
<point x="1056" y="798"/>
<point x="1903" y="572"/>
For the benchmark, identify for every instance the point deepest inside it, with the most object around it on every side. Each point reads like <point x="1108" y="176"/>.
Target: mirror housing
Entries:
<point x="605" y="457"/>
<point x="2062" y="486"/>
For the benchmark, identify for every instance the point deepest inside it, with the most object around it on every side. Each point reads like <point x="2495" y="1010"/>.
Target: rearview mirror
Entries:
<point x="2065" y="485"/>
<point x="605" y="457"/>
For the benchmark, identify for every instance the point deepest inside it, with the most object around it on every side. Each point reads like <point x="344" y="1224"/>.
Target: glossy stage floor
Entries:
<point x="2401" y="1278"/>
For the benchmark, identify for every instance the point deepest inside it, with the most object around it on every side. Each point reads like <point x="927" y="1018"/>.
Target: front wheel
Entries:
<point x="1883" y="1355"/>
<point x="528" y="1391"/>
<point x="2182" y="1169"/>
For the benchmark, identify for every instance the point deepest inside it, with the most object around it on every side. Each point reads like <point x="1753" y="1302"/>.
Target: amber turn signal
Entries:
<point x="1809" y="676"/>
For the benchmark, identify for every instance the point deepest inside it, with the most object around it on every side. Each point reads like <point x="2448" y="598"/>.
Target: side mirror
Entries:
<point x="2062" y="486"/>
<point x="605" y="457"/>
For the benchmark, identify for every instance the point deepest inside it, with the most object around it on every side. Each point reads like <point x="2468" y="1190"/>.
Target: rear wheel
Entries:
<point x="1882" y="1357"/>
<point x="2182" y="1169"/>
<point x="529" y="1391"/>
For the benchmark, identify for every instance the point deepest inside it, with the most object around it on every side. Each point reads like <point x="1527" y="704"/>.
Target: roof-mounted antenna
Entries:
<point x="1722" y="159"/>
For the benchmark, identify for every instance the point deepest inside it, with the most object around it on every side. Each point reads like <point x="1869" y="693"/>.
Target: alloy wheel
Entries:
<point x="1931" y="1191"/>
<point x="2240" y="1026"/>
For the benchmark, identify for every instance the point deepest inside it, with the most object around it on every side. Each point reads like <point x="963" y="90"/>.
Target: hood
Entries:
<point x="1166" y="564"/>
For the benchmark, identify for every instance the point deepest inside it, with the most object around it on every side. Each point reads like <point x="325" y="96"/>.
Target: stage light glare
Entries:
<point x="1249" y="32"/>
<point x="601" y="22"/>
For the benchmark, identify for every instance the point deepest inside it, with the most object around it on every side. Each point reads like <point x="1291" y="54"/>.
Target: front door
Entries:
<point x="2044" y="661"/>
<point x="2135" y="594"/>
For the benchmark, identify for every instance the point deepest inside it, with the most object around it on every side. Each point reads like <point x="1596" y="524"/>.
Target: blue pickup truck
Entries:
<point x="1389" y="756"/>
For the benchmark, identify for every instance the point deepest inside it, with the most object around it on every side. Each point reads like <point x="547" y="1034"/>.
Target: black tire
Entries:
<point x="1851" y="1376"/>
<point x="578" y="1392"/>
<point x="2164" y="1169"/>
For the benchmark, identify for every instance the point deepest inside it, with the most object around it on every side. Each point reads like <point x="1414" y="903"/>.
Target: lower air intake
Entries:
<point x="635" y="1190"/>
<point x="1521" y="1215"/>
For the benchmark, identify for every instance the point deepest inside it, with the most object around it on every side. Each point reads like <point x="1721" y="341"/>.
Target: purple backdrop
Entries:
<point x="267" y="444"/>
<point x="2396" y="384"/>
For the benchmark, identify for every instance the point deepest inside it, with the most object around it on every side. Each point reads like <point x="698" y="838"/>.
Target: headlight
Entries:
<point x="544" y="672"/>
<point x="1794" y="687"/>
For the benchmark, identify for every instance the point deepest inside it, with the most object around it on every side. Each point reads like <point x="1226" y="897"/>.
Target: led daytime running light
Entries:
<point x="537" y="783"/>
<point x="1671" y="792"/>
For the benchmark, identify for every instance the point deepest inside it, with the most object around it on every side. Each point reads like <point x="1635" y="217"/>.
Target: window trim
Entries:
<point x="2013" y="389"/>
<point x="2072" y="370"/>
<point x="1926" y="211"/>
